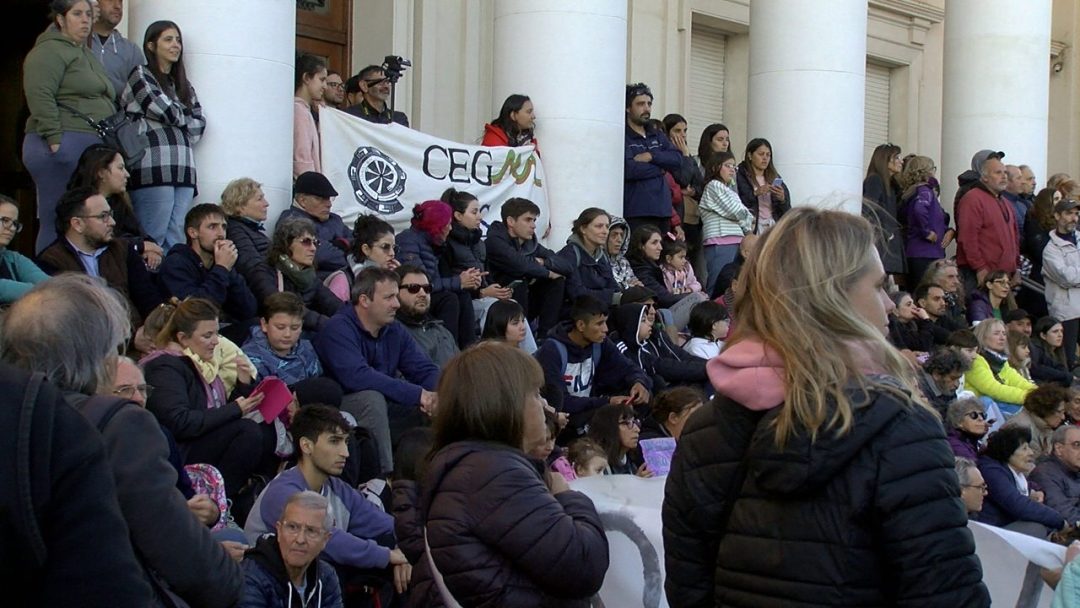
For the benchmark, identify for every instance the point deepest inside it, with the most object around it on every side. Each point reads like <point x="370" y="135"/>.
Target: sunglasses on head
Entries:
<point x="416" y="287"/>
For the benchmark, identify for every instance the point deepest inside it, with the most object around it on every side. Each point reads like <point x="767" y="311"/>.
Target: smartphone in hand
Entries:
<point x="777" y="182"/>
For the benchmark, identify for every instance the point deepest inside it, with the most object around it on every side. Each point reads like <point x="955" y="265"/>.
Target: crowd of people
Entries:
<point x="366" y="417"/>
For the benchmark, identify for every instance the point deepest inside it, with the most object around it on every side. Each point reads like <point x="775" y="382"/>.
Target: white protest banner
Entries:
<point x="629" y="507"/>
<point x="388" y="169"/>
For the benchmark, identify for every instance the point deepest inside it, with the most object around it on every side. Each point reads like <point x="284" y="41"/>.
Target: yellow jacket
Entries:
<point x="981" y="381"/>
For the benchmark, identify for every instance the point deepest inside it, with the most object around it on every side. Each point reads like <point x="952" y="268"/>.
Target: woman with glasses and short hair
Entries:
<point x="966" y="426"/>
<point x="992" y="299"/>
<point x="291" y="267"/>
<point x="17" y="273"/>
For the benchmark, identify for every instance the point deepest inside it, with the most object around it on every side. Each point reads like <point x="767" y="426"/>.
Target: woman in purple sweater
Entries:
<point x="966" y="425"/>
<point x="927" y="231"/>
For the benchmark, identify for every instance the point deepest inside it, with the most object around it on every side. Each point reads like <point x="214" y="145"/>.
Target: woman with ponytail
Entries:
<point x="211" y="423"/>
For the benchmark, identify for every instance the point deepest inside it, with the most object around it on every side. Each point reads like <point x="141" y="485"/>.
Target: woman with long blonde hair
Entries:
<point x="815" y="473"/>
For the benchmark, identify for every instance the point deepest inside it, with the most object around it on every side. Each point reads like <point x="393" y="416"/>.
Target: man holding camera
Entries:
<point x="374" y="86"/>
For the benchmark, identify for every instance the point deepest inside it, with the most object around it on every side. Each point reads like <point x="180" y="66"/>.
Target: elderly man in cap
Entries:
<point x="312" y="197"/>
<point x="1061" y="272"/>
<point x="987" y="239"/>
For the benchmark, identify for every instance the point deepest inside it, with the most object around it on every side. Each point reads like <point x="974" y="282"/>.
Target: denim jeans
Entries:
<point x="716" y="257"/>
<point x="51" y="172"/>
<point x="161" y="211"/>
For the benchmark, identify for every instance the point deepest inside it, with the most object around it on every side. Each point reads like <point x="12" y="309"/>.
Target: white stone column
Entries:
<point x="239" y="57"/>
<point x="570" y="58"/>
<point x="997" y="85"/>
<point x="807" y="81"/>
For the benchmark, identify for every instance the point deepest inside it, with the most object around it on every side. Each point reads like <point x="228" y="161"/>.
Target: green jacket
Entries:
<point x="58" y="71"/>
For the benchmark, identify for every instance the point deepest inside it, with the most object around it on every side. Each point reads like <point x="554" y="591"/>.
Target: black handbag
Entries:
<point x="117" y="131"/>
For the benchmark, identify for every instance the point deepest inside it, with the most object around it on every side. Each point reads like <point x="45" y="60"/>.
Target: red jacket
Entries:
<point x="494" y="135"/>
<point x="986" y="232"/>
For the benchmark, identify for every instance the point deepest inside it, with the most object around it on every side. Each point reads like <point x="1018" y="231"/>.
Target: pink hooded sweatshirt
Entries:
<point x="752" y="373"/>
<point x="749" y="372"/>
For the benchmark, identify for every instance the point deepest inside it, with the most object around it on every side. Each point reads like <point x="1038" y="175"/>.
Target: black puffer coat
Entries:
<point x="500" y="538"/>
<point x="873" y="518"/>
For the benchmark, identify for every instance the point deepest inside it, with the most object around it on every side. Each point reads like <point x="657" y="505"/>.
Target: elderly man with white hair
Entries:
<point x="72" y="327"/>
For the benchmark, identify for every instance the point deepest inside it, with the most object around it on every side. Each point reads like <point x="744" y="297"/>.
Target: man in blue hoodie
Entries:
<point x="574" y="380"/>
<point x="646" y="196"/>
<point x="388" y="380"/>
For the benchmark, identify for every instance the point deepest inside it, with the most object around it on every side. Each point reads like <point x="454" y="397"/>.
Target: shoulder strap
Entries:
<point x="437" y="577"/>
<point x="596" y="350"/>
<point x="561" y="348"/>
<point x="23" y="468"/>
<point x="93" y="123"/>
<point x="100" y="409"/>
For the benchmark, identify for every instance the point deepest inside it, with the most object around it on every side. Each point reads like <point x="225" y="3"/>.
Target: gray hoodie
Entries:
<point x="119" y="56"/>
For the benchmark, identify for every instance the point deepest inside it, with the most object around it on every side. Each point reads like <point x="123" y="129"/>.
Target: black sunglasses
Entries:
<point x="416" y="287"/>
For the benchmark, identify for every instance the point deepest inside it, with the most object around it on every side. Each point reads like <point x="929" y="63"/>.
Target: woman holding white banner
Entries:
<point x="514" y="125"/>
<point x="498" y="531"/>
<point x="814" y="477"/>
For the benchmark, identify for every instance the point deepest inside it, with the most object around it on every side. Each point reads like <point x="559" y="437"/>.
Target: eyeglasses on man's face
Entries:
<point x="127" y="391"/>
<point x="336" y="85"/>
<point x="104" y="216"/>
<point x="982" y="487"/>
<point x="311" y="533"/>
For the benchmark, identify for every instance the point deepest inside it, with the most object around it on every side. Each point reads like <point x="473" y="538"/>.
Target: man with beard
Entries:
<point x="1061" y="271"/>
<point x="414" y="294"/>
<point x="118" y="54"/>
<point x="86" y="245"/>
<point x="374" y="86"/>
<point x="388" y="380"/>
<point x="987" y="238"/>
<point x="334" y="95"/>
<point x="362" y="536"/>
<point x="931" y="298"/>
<point x="204" y="268"/>
<point x="646" y="195"/>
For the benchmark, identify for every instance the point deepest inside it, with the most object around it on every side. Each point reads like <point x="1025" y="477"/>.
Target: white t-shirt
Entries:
<point x="700" y="347"/>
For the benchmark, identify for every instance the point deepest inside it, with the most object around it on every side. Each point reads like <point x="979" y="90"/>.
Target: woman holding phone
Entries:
<point x="760" y="186"/>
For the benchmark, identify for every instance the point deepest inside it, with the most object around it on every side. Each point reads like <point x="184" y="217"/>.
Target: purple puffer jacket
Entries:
<point x="924" y="215"/>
